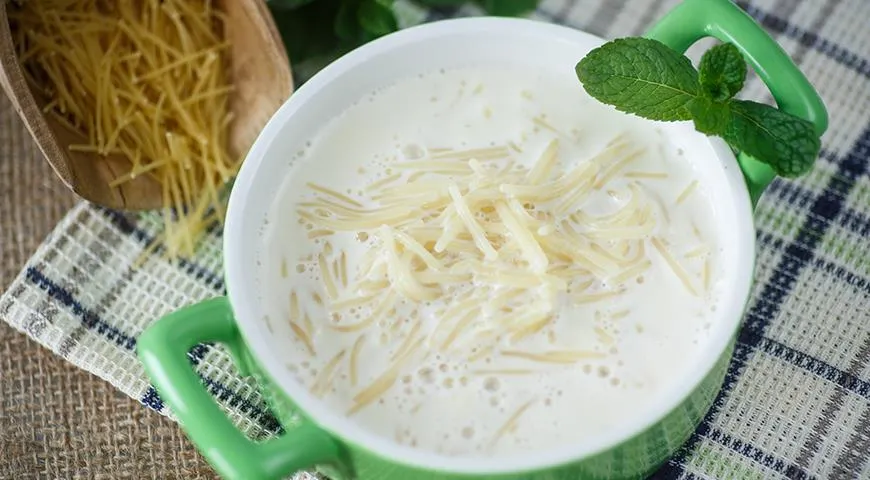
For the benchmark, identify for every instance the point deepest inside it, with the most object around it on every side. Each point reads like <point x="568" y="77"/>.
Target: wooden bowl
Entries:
<point x="259" y="69"/>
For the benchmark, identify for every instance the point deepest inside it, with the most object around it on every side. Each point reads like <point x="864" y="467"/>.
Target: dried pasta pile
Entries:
<point x="504" y="242"/>
<point x="141" y="79"/>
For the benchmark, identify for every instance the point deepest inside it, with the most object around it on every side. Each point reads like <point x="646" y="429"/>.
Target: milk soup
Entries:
<point x="485" y="261"/>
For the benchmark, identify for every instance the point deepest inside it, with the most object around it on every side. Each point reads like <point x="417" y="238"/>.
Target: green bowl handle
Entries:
<point x="694" y="19"/>
<point x="163" y="350"/>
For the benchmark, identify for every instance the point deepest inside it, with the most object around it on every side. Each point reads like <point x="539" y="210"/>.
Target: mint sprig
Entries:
<point x="646" y="78"/>
<point x="710" y="117"/>
<point x="722" y="72"/>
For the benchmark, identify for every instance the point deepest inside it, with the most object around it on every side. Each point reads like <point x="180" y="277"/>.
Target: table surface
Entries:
<point x="57" y="421"/>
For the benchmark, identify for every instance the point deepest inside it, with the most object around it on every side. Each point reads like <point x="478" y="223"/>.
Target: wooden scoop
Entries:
<point x="260" y="72"/>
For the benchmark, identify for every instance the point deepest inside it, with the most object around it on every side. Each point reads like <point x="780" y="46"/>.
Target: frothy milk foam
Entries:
<point x="472" y="400"/>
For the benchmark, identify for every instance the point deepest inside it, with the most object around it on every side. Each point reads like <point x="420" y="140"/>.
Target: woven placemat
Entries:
<point x="796" y="400"/>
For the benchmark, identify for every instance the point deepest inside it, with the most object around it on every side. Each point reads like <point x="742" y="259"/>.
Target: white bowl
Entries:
<point x="448" y="44"/>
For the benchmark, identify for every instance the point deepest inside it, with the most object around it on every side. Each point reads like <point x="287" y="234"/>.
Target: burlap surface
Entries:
<point x="57" y="421"/>
<point x="796" y="400"/>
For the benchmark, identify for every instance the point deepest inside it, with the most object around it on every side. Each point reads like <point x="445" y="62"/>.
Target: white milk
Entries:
<point x="445" y="403"/>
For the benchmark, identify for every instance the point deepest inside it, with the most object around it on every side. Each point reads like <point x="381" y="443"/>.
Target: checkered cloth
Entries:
<point x="796" y="399"/>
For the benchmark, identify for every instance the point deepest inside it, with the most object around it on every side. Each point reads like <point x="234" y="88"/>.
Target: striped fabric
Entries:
<point x="796" y="400"/>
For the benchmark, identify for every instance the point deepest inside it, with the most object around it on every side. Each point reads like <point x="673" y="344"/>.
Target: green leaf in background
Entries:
<point x="442" y="3"/>
<point x="316" y="32"/>
<point x="508" y="8"/>
<point x="710" y="117"/>
<point x="376" y="18"/>
<point x="640" y="76"/>
<point x="307" y="29"/>
<point x="288" y="4"/>
<point x="788" y="144"/>
<point x="722" y="72"/>
<point x="346" y="26"/>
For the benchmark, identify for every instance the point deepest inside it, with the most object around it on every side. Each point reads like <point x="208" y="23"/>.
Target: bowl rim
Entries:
<point x="243" y="296"/>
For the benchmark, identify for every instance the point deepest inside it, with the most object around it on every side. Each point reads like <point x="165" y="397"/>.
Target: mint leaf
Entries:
<point x="722" y="72"/>
<point x="376" y="18"/>
<point x="787" y="143"/>
<point x="711" y="118"/>
<point x="640" y="76"/>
